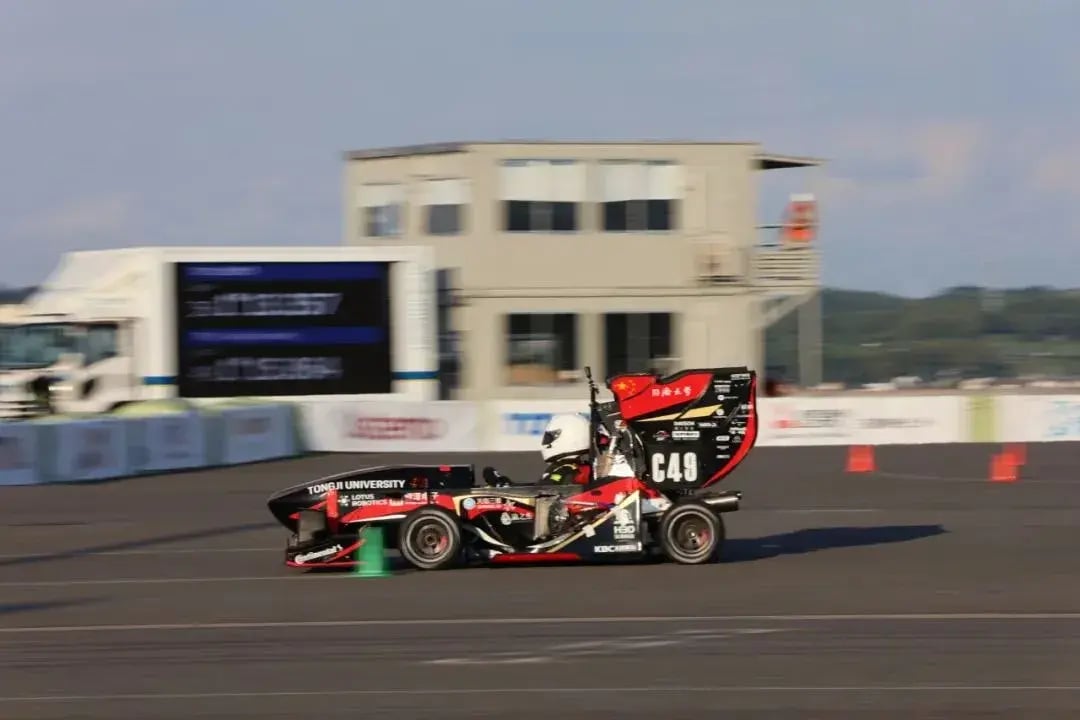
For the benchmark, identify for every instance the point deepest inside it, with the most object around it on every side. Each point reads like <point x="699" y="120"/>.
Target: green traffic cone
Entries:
<point x="370" y="556"/>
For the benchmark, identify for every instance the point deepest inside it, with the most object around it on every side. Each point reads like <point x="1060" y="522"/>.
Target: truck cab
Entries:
<point x="62" y="365"/>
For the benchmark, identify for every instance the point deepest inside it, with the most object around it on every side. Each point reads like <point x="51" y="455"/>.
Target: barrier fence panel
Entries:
<point x="1039" y="418"/>
<point x="377" y="426"/>
<point x="94" y="449"/>
<point x="256" y="433"/>
<point x="111" y="447"/>
<point x="168" y="442"/>
<point x="907" y="420"/>
<point x="19" y="448"/>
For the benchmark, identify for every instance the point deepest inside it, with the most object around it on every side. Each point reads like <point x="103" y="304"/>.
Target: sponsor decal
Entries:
<point x="684" y="391"/>
<point x="625" y="528"/>
<point x="509" y="517"/>
<point x="316" y="554"/>
<point x="249" y="425"/>
<point x="356" y="485"/>
<point x="894" y="422"/>
<point x="468" y="503"/>
<point x="632" y="547"/>
<point x="662" y="436"/>
<point x="395" y="428"/>
<point x="686" y="434"/>
<point x="527" y="423"/>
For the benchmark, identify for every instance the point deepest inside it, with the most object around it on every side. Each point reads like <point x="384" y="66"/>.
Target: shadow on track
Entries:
<point x="809" y="540"/>
<point x="137" y="544"/>
<point x="29" y="607"/>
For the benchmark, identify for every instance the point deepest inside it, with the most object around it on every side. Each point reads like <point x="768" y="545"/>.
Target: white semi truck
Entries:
<point x="111" y="327"/>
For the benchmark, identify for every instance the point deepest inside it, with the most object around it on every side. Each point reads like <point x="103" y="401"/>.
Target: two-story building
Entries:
<point x="630" y="256"/>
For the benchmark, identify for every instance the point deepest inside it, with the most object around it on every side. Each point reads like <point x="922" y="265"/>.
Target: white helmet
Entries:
<point x="565" y="435"/>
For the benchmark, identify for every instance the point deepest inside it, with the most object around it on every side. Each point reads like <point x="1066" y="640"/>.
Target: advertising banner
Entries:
<point x="283" y="328"/>
<point x="18" y="454"/>
<point x="169" y="442"/>
<point x="517" y="425"/>
<point x="376" y="426"/>
<point x="253" y="434"/>
<point x="907" y="420"/>
<point x="91" y="450"/>
<point x="1039" y="418"/>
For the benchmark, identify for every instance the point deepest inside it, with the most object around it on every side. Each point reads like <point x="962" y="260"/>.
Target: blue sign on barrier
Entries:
<point x="1063" y="421"/>
<point x="528" y="423"/>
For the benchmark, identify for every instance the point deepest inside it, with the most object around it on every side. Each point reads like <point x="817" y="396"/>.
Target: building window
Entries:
<point x="382" y="210"/>
<point x="444" y="202"/>
<point x="639" y="196"/>
<point x="541" y="348"/>
<point x="541" y="195"/>
<point x="539" y="216"/>
<point x="637" y="342"/>
<point x="382" y="221"/>
<point x="443" y="220"/>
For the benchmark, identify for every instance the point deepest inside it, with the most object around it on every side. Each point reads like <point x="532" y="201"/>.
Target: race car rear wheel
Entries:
<point x="430" y="539"/>
<point x="691" y="533"/>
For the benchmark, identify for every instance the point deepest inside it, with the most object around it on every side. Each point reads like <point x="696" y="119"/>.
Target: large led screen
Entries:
<point x="283" y="328"/>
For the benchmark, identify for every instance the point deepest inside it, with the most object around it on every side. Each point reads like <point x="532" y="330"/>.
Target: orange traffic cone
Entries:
<point x="861" y="459"/>
<point x="1003" y="468"/>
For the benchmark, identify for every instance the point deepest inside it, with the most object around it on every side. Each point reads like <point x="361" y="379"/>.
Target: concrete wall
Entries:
<point x="718" y="204"/>
<point x="588" y="272"/>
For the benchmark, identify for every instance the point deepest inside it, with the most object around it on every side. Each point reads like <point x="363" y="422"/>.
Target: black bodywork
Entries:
<point x="660" y="447"/>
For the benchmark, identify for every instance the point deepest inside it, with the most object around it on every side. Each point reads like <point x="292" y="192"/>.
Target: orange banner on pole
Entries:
<point x="800" y="220"/>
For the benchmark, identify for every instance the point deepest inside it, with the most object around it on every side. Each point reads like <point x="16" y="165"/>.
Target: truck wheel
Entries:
<point x="691" y="533"/>
<point x="430" y="539"/>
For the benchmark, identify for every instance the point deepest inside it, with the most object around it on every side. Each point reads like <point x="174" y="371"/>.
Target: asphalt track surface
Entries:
<point x="921" y="590"/>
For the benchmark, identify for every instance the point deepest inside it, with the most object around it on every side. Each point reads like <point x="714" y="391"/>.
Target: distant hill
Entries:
<point x="964" y="331"/>
<point x="11" y="296"/>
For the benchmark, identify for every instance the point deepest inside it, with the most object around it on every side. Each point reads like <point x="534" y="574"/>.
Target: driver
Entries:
<point x="565" y="448"/>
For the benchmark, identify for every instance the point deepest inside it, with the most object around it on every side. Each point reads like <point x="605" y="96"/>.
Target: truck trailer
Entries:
<point x="111" y="327"/>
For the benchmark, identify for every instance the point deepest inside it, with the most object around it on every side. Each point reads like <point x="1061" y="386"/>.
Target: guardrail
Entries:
<point x="148" y="439"/>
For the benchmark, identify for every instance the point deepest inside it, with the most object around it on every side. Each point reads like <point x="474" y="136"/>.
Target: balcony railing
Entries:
<point x="776" y="267"/>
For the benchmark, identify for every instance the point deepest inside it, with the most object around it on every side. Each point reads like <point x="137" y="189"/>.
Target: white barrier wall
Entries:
<point x="907" y="420"/>
<point x="110" y="447"/>
<point x="360" y="426"/>
<point x="1026" y="418"/>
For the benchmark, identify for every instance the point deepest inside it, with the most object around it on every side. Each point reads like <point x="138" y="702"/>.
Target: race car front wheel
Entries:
<point x="691" y="533"/>
<point x="430" y="539"/>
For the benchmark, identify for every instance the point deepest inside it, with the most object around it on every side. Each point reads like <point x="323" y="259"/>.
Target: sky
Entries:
<point x="950" y="128"/>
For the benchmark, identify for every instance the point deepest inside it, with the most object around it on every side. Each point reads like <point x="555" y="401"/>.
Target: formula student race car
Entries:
<point x="659" y="449"/>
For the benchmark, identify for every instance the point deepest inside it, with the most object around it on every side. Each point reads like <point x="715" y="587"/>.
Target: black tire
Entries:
<point x="430" y="539"/>
<point x="691" y="533"/>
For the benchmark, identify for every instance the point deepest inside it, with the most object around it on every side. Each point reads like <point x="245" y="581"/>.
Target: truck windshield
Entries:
<point x="24" y="347"/>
